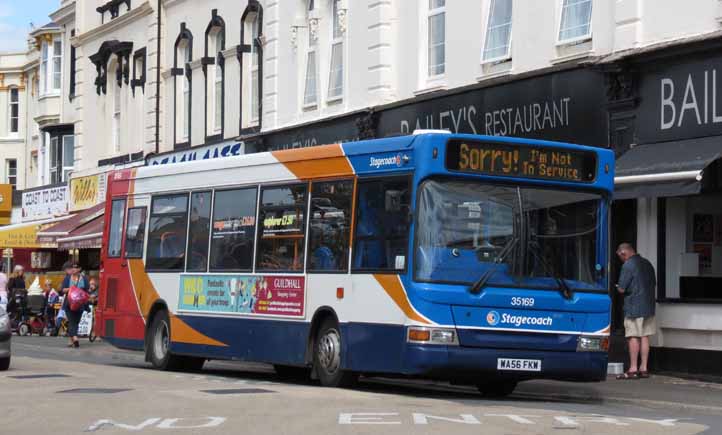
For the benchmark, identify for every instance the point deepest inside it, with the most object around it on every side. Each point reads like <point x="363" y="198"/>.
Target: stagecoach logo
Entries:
<point x="385" y="161"/>
<point x="492" y="318"/>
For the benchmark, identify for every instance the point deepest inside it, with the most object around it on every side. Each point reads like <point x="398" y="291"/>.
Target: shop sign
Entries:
<point x="21" y="237"/>
<point x="343" y="129"/>
<point x="282" y="296"/>
<point x="680" y="100"/>
<point x="218" y="151"/>
<point x="45" y="203"/>
<point x="86" y="192"/>
<point x="6" y="203"/>
<point x="567" y="106"/>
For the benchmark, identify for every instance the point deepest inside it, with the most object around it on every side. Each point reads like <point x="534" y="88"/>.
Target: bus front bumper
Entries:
<point x="472" y="364"/>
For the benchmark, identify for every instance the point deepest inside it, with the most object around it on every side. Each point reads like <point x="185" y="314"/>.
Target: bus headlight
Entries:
<point x="424" y="335"/>
<point x="593" y="344"/>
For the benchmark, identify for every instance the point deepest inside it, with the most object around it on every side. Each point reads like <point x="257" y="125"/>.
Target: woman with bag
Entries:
<point x="75" y="289"/>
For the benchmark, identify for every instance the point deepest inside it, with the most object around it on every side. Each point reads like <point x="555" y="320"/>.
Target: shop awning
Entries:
<point x="665" y="169"/>
<point x="25" y="235"/>
<point x="49" y="236"/>
<point x="89" y="235"/>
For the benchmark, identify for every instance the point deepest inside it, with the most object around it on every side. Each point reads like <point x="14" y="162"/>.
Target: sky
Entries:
<point x="15" y="19"/>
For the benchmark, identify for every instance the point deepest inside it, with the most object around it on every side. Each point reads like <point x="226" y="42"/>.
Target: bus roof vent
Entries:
<point x="421" y="131"/>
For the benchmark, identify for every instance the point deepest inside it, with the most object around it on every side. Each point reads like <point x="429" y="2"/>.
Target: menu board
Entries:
<point x="520" y="160"/>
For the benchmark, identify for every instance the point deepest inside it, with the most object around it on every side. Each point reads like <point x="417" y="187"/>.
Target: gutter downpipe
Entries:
<point x="157" y="82"/>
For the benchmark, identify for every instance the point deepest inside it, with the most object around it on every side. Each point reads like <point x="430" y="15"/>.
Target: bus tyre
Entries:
<point x="498" y="389"/>
<point x="327" y="357"/>
<point x="159" y="343"/>
<point x="4" y="364"/>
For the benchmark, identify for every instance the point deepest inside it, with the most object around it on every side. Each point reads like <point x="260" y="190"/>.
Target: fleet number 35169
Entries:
<point x="522" y="302"/>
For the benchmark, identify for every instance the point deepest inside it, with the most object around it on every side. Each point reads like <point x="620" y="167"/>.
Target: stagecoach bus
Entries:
<point x="473" y="259"/>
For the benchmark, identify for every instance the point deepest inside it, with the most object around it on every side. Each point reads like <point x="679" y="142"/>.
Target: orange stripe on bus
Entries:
<point x="147" y="295"/>
<point x="392" y="285"/>
<point x="315" y="162"/>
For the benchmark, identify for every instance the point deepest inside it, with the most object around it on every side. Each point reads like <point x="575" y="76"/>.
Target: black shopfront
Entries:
<point x="669" y="182"/>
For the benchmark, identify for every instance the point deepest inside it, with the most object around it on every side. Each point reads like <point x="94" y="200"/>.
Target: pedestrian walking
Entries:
<point x="637" y="282"/>
<point x="17" y="290"/>
<point x="3" y="288"/>
<point x="73" y="279"/>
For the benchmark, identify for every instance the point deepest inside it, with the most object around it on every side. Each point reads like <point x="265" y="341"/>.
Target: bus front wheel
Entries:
<point x="496" y="389"/>
<point x="158" y="343"/>
<point x="327" y="357"/>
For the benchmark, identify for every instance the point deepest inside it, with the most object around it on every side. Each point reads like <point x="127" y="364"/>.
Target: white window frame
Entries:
<point x="311" y="49"/>
<point x="427" y="36"/>
<point x="67" y="169"/>
<point x="337" y="41"/>
<point x="16" y="105"/>
<point x="57" y="62"/>
<point x="182" y="111"/>
<point x="254" y="83"/>
<point x="490" y="14"/>
<point x="44" y="57"/>
<point x="53" y="154"/>
<point x="8" y="175"/>
<point x="214" y="85"/>
<point x="578" y="39"/>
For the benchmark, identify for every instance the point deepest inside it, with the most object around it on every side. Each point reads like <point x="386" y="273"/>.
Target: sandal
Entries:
<point x="628" y="375"/>
<point x="644" y="375"/>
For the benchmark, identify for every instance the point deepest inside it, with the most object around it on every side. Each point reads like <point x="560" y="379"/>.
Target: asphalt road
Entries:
<point x="97" y="388"/>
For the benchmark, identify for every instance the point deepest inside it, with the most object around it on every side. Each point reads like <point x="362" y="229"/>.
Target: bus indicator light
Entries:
<point x="339" y="293"/>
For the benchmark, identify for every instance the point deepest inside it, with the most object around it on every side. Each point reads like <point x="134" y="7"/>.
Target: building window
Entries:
<point x="116" y="113"/>
<point x="167" y="233"/>
<point x="214" y="68"/>
<point x="498" y="31"/>
<point x="252" y="69"/>
<point x="310" y="92"/>
<point x="234" y="225"/>
<point x="436" y="22"/>
<point x="11" y="172"/>
<point x="68" y="156"/>
<point x="282" y="228"/>
<point x="330" y="226"/>
<point x="254" y="83"/>
<point x="51" y="66"/>
<point x="54" y="160"/>
<point x="576" y="21"/>
<point x="139" y="74"/>
<point x="335" y="79"/>
<point x="44" y="67"/>
<point x="183" y="83"/>
<point x="14" y="110"/>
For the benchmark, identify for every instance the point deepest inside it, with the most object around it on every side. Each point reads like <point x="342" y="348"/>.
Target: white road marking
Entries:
<point x="160" y="423"/>
<point x="366" y="418"/>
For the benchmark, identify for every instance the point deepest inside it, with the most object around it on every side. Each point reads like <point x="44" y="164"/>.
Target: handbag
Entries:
<point x="77" y="298"/>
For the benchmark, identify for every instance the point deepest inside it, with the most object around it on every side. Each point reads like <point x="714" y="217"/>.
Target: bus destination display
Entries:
<point x="490" y="158"/>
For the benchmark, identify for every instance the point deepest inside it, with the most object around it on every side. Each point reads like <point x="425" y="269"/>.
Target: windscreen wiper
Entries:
<point x="567" y="292"/>
<point x="481" y="282"/>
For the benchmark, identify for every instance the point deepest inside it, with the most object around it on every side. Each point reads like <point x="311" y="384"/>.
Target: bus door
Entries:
<point x="114" y="267"/>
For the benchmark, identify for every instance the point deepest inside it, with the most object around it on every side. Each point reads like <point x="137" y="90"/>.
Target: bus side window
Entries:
<point x="382" y="228"/>
<point x="135" y="232"/>
<point x="167" y="232"/>
<point x="282" y="228"/>
<point x="234" y="224"/>
<point x="198" y="232"/>
<point x="117" y="218"/>
<point x="330" y="228"/>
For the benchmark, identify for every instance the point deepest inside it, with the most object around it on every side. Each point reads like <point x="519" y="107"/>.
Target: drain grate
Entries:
<point x="238" y="391"/>
<point x="49" y="375"/>
<point x="95" y="390"/>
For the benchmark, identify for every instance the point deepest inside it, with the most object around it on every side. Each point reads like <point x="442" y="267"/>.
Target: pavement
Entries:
<point x="101" y="389"/>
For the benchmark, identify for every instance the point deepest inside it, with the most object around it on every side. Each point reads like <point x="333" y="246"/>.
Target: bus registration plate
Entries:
<point x="523" y="365"/>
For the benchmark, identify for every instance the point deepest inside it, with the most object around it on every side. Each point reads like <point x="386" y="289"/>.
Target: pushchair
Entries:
<point x="33" y="319"/>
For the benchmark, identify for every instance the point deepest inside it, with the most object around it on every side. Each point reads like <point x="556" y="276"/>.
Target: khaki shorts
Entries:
<point x="640" y="326"/>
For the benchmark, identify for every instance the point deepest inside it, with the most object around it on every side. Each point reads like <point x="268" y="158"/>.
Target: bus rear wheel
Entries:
<point x="496" y="389"/>
<point x="327" y="357"/>
<point x="158" y="343"/>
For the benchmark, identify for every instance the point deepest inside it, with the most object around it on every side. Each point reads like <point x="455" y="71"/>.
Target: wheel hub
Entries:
<point x="329" y="351"/>
<point x="162" y="340"/>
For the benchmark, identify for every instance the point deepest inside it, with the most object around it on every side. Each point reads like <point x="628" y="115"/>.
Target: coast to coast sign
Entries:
<point x="243" y="294"/>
